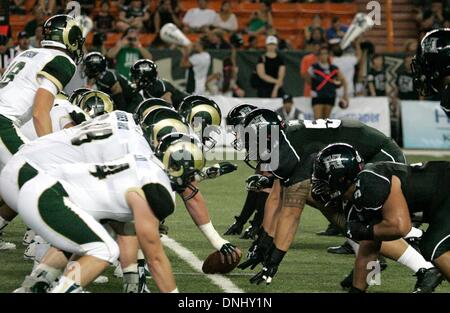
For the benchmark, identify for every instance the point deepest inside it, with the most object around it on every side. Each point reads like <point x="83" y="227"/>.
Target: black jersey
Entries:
<point x="109" y="78"/>
<point x="304" y="139"/>
<point x="161" y="87"/>
<point x="425" y="187"/>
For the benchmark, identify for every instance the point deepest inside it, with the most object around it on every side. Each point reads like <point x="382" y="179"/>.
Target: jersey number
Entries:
<point x="328" y="123"/>
<point x="102" y="171"/>
<point x="11" y="73"/>
<point x="91" y="133"/>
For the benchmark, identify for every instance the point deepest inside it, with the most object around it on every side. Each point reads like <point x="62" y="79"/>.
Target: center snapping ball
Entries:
<point x="214" y="265"/>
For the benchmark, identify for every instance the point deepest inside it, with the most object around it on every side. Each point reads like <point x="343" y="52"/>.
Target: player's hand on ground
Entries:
<point x="255" y="255"/>
<point x="359" y="231"/>
<point x="229" y="253"/>
<point x="219" y="169"/>
<point x="266" y="274"/>
<point x="235" y="228"/>
<point x="257" y="182"/>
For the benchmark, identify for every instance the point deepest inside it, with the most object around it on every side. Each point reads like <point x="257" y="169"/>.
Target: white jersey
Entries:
<point x="100" y="189"/>
<point x="60" y="115"/>
<point x="21" y="80"/>
<point x="102" y="139"/>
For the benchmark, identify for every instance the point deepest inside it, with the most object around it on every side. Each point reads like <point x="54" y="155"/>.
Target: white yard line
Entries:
<point x="219" y="280"/>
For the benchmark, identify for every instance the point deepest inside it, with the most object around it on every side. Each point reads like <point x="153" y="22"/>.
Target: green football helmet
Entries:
<point x="147" y="105"/>
<point x="62" y="31"/>
<point x="161" y="121"/>
<point x="95" y="103"/>
<point x="203" y="115"/>
<point x="183" y="158"/>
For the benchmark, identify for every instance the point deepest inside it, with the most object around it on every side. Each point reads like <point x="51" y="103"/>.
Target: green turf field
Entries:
<point x="307" y="267"/>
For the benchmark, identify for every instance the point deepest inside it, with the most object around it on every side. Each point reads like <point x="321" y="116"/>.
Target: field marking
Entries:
<point x="219" y="280"/>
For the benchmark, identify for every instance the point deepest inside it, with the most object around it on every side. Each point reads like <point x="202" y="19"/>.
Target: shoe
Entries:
<point x="28" y="237"/>
<point x="427" y="280"/>
<point x="30" y="252"/>
<point x="250" y="233"/>
<point x="235" y="228"/>
<point x="345" y="248"/>
<point x="347" y="282"/>
<point x="4" y="245"/>
<point x="101" y="280"/>
<point x="414" y="242"/>
<point x="118" y="270"/>
<point x="331" y="230"/>
<point x="163" y="229"/>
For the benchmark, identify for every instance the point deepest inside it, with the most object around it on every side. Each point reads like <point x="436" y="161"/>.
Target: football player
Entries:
<point x="384" y="196"/>
<point x="255" y="201"/>
<point x="109" y="81"/>
<point x="431" y="67"/>
<point x="29" y="85"/>
<point x="144" y="74"/>
<point x="298" y="143"/>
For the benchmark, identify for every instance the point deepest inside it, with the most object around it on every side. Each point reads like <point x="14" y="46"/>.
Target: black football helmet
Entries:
<point x="183" y="158"/>
<point x="235" y="118"/>
<point x="146" y="106"/>
<point x="204" y="116"/>
<point x="63" y="31"/>
<point x="432" y="62"/>
<point x="95" y="103"/>
<point x="260" y="126"/>
<point x="94" y="65"/>
<point x="144" y="73"/>
<point x="336" y="168"/>
<point x="162" y="121"/>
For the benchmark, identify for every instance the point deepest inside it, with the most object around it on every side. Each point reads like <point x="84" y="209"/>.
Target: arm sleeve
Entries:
<point x="59" y="70"/>
<point x="48" y="85"/>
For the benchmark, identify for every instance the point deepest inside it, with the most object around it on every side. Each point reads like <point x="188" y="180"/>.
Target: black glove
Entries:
<point x="235" y="228"/>
<point x="270" y="268"/>
<point x="257" y="251"/>
<point x="228" y="250"/>
<point x="218" y="169"/>
<point x="320" y="191"/>
<point x="257" y="182"/>
<point x="77" y="117"/>
<point x="359" y="231"/>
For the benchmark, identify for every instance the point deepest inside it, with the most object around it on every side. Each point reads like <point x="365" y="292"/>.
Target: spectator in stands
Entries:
<point x="199" y="19"/>
<point x="288" y="111"/>
<point x="376" y="77"/>
<point x="316" y="25"/>
<point x="282" y="44"/>
<point x="316" y="38"/>
<point x="325" y="78"/>
<point x="215" y="40"/>
<point x="134" y="15"/>
<point x="430" y="17"/>
<point x="271" y="71"/>
<point x="307" y="61"/>
<point x="260" y="20"/>
<point x="38" y="20"/>
<point x="404" y="83"/>
<point x="197" y="64"/>
<point x="23" y="42"/>
<point x="7" y="54"/>
<point x="49" y="6"/>
<point x="225" y="19"/>
<point x="346" y="61"/>
<point x="127" y="51"/>
<point x="35" y="40"/>
<point x="17" y="7"/>
<point x="337" y="30"/>
<point x="104" y="21"/>
<point x="167" y="12"/>
<point x="225" y="82"/>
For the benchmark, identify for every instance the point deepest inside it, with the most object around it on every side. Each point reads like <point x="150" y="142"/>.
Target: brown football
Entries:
<point x="213" y="264"/>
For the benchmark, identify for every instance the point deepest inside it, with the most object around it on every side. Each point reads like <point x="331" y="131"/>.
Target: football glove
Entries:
<point x="229" y="252"/>
<point x="77" y="117"/>
<point x="359" y="231"/>
<point x="258" y="182"/>
<point x="270" y="268"/>
<point x="217" y="170"/>
<point x="257" y="251"/>
<point x="235" y="228"/>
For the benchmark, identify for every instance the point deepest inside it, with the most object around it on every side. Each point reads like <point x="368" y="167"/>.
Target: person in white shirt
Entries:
<point x="225" y="19"/>
<point x="197" y="19"/>
<point x="197" y="65"/>
<point x="288" y="111"/>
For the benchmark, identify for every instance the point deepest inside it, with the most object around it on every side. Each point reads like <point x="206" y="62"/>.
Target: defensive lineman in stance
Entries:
<point x="384" y="196"/>
<point x="30" y="83"/>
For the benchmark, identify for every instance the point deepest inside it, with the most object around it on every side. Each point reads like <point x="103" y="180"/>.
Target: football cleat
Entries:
<point x="101" y="280"/>
<point x="30" y="252"/>
<point x="427" y="280"/>
<point x="118" y="270"/>
<point x="347" y="282"/>
<point x="235" y="228"/>
<point x="4" y="245"/>
<point x="331" y="230"/>
<point x="345" y="248"/>
<point x="28" y="237"/>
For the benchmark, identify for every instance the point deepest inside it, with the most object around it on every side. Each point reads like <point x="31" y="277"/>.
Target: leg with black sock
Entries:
<point x="251" y="232"/>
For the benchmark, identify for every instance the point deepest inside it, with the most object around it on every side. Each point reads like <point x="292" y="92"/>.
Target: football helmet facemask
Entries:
<point x="144" y="73"/>
<point x="235" y="118"/>
<point x="94" y="64"/>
